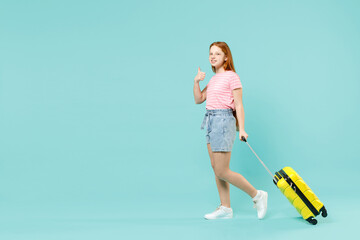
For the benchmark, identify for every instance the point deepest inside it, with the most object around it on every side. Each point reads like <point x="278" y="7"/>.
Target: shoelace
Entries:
<point x="218" y="208"/>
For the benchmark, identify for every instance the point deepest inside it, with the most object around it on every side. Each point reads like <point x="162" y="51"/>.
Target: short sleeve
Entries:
<point x="235" y="81"/>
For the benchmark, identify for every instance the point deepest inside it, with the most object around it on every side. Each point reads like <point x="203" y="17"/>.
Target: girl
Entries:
<point x="223" y="95"/>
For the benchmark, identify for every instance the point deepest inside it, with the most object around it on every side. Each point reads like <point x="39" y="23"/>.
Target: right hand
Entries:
<point x="200" y="76"/>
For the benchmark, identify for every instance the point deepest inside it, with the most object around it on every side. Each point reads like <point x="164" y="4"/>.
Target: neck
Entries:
<point x="219" y="70"/>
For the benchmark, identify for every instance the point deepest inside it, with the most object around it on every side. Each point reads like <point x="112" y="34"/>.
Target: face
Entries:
<point x="217" y="57"/>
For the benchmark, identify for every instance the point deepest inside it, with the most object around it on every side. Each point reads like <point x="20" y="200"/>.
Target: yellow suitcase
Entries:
<point x="297" y="192"/>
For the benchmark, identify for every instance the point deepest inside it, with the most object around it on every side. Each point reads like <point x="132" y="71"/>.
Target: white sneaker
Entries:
<point x="261" y="204"/>
<point x="221" y="212"/>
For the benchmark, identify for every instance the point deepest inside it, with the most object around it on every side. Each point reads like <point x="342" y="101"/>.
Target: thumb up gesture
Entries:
<point x="200" y="76"/>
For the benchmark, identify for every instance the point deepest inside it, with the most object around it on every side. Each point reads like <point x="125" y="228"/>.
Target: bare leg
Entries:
<point x="222" y="186"/>
<point x="222" y="171"/>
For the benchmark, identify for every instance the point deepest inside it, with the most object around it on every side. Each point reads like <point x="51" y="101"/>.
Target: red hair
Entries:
<point x="229" y="64"/>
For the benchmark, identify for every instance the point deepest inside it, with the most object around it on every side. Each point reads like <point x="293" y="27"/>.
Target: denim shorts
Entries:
<point x="220" y="125"/>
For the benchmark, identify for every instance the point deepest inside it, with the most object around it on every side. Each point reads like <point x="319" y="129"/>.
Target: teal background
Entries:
<point x="100" y="136"/>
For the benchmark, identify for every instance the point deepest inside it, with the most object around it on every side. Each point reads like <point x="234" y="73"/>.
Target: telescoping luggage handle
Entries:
<point x="272" y="176"/>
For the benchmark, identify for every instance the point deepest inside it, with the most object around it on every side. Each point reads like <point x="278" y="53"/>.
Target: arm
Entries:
<point x="199" y="96"/>
<point x="237" y="93"/>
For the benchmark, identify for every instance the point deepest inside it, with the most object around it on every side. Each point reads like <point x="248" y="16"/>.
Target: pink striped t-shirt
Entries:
<point x="219" y="90"/>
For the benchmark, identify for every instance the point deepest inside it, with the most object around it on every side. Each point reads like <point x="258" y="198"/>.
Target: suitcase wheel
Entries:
<point x="312" y="220"/>
<point x="323" y="212"/>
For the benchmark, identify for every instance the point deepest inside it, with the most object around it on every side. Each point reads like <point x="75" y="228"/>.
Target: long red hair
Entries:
<point x="229" y="63"/>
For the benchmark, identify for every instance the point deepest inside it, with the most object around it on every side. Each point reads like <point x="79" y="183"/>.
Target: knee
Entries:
<point x="221" y="173"/>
